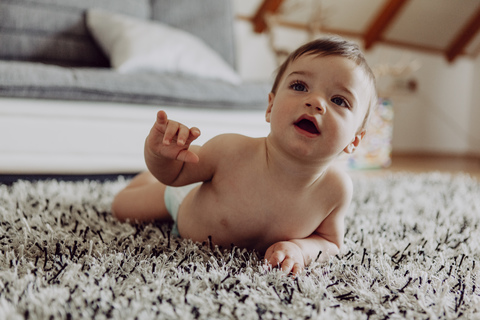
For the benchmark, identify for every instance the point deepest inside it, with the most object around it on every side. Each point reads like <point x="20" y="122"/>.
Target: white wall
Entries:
<point x="435" y="118"/>
<point x="474" y="125"/>
<point x="442" y="116"/>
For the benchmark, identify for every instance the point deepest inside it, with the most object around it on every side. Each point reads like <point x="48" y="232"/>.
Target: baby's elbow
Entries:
<point x="338" y="246"/>
<point x="117" y="208"/>
<point x="332" y="250"/>
<point x="114" y="208"/>
<point x="328" y="250"/>
<point x="335" y="250"/>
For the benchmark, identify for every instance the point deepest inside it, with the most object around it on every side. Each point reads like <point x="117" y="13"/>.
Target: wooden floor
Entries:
<point x="427" y="163"/>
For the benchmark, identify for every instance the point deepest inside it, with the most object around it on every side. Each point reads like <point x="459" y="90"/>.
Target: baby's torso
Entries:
<point x="244" y="208"/>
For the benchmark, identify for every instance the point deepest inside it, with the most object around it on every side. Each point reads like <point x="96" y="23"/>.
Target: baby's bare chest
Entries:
<point x="257" y="211"/>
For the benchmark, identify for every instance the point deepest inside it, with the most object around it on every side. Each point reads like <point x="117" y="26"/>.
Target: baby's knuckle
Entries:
<point x="276" y="254"/>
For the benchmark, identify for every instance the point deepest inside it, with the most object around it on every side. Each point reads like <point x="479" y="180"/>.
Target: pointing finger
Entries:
<point x="162" y="117"/>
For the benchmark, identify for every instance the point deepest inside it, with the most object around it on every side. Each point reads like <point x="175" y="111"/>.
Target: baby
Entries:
<point x="281" y="194"/>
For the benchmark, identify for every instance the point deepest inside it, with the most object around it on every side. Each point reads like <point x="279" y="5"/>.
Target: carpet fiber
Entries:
<point x="411" y="251"/>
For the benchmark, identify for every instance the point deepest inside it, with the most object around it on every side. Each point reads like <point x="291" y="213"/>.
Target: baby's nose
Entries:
<point x="316" y="104"/>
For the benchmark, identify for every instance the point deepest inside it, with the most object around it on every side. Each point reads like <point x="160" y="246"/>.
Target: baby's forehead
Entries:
<point x="306" y="63"/>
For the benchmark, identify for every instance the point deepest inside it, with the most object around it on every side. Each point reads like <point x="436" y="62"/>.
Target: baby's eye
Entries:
<point x="340" y="101"/>
<point x="298" y="86"/>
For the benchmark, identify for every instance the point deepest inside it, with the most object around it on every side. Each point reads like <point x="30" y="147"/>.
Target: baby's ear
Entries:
<point x="271" y="97"/>
<point x="352" y="146"/>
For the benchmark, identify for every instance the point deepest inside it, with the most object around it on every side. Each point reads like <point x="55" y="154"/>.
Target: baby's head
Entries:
<point x="333" y="46"/>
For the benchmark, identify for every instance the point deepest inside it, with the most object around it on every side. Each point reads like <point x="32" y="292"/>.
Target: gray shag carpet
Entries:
<point x="411" y="251"/>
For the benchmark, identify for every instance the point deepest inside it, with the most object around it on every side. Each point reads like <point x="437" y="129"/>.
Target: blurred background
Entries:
<point x="425" y="54"/>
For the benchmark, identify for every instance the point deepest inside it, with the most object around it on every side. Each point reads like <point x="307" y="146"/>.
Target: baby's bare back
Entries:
<point x="248" y="206"/>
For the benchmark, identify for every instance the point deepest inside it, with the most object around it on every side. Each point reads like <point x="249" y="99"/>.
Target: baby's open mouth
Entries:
<point x="308" y="126"/>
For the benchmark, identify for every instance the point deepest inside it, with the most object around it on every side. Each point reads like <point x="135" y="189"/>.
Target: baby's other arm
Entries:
<point x="293" y="255"/>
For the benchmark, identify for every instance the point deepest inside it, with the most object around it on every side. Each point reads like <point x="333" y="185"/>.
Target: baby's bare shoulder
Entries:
<point x="222" y="150"/>
<point x="232" y="137"/>
<point x="339" y="183"/>
<point x="232" y="142"/>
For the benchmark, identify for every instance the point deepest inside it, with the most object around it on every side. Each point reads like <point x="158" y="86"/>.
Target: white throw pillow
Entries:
<point x="135" y="45"/>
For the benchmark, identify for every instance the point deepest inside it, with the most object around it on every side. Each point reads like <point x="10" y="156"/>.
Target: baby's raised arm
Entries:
<point x="167" y="148"/>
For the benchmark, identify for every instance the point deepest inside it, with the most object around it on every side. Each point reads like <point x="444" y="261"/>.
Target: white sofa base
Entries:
<point x="76" y="137"/>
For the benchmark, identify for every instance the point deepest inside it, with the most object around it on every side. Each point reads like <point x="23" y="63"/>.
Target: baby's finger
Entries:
<point x="287" y="265"/>
<point x="297" y="269"/>
<point x="187" y="156"/>
<point x="183" y="135"/>
<point x="194" y="134"/>
<point x="170" y="132"/>
<point x="161" y="122"/>
<point x="162" y="117"/>
<point x="276" y="259"/>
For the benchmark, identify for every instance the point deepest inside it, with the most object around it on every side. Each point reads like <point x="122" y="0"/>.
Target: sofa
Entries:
<point x="81" y="81"/>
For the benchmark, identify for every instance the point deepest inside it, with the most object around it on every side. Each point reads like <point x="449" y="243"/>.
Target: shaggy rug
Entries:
<point x="411" y="251"/>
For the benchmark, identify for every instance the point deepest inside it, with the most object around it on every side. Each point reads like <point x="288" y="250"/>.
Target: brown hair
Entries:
<point x="328" y="46"/>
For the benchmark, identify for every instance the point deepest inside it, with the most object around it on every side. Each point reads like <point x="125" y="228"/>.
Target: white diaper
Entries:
<point x="173" y="199"/>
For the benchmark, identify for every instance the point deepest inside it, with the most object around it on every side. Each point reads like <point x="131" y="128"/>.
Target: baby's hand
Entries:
<point x="286" y="255"/>
<point x="166" y="131"/>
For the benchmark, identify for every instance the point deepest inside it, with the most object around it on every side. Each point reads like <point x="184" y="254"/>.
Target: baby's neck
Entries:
<point x="292" y="170"/>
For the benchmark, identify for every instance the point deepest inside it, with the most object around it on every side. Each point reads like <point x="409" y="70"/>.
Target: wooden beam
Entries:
<point x="383" y="19"/>
<point x="466" y="34"/>
<point x="358" y="35"/>
<point x="267" y="6"/>
<point x="476" y="52"/>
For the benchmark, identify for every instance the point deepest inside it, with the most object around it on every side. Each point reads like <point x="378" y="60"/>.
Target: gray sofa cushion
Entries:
<point x="54" y="30"/>
<point x="36" y="80"/>
<point x="210" y="20"/>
